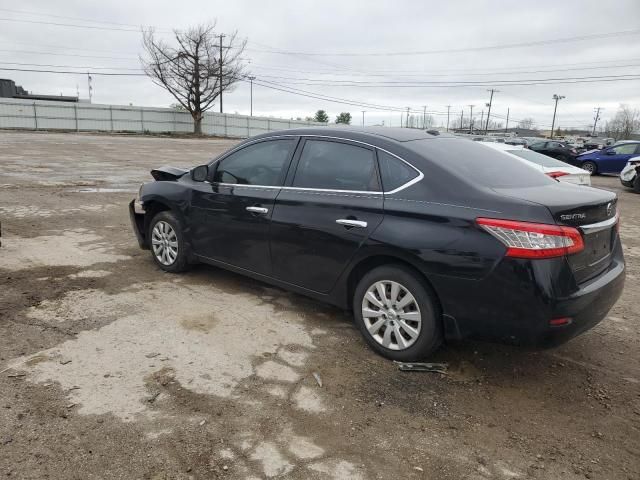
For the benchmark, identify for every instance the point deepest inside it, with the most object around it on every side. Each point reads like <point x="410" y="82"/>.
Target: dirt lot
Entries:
<point x="114" y="369"/>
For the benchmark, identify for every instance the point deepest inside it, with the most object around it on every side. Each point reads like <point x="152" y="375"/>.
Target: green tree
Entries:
<point x="321" y="116"/>
<point x="344" y="117"/>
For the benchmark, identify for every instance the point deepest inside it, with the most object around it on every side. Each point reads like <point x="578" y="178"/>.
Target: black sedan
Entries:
<point x="560" y="150"/>
<point x="424" y="237"/>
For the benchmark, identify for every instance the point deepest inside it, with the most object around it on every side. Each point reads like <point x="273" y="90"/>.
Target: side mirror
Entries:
<point x="200" y="173"/>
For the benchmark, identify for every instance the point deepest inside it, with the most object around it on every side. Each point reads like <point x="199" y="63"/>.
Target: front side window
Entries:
<point x="336" y="166"/>
<point x="538" y="146"/>
<point x="626" y="149"/>
<point x="258" y="164"/>
<point x="394" y="172"/>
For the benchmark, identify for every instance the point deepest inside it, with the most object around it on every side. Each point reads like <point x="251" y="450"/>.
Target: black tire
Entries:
<point x="590" y="167"/>
<point x="430" y="335"/>
<point x="636" y="184"/>
<point x="181" y="261"/>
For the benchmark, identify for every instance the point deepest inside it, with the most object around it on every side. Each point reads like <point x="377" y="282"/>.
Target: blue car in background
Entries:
<point x="608" y="160"/>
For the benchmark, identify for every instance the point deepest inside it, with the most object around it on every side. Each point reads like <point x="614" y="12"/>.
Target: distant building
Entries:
<point x="9" y="89"/>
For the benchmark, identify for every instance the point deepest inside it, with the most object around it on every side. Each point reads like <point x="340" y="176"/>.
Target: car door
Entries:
<point x="331" y="203"/>
<point x="231" y="214"/>
<point x="614" y="159"/>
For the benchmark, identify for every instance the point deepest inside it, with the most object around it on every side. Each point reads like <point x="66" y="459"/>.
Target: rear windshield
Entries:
<point x="538" y="158"/>
<point x="479" y="164"/>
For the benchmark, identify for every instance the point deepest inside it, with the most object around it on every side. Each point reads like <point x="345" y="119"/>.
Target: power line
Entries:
<point x="462" y="50"/>
<point x="37" y="14"/>
<point x="455" y="83"/>
<point x="55" y="24"/>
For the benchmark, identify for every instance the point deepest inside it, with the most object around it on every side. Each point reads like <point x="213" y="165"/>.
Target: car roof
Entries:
<point x="502" y="146"/>
<point x="360" y="133"/>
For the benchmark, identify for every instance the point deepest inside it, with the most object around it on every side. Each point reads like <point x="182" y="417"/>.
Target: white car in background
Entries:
<point x="629" y="174"/>
<point x="554" y="168"/>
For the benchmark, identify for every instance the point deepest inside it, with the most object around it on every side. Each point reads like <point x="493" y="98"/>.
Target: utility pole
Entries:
<point x="471" y="120"/>
<point x="506" y="125"/>
<point x="363" y="112"/>
<point x="448" y="110"/>
<point x="553" y="123"/>
<point x="424" y="117"/>
<point x="251" y="79"/>
<point x="90" y="87"/>
<point x="493" y="90"/>
<point x="220" y="73"/>
<point x="481" y="119"/>
<point x="461" y="118"/>
<point x="595" y="120"/>
<point x="407" y="124"/>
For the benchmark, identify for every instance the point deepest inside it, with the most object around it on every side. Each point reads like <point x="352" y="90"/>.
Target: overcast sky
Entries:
<point x="450" y="34"/>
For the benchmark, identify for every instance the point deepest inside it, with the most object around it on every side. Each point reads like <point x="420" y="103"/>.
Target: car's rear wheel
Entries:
<point x="636" y="184"/>
<point x="397" y="314"/>
<point x="590" y="167"/>
<point x="168" y="248"/>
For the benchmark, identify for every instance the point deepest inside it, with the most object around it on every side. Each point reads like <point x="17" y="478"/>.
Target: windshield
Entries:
<point x="538" y="158"/>
<point x="479" y="164"/>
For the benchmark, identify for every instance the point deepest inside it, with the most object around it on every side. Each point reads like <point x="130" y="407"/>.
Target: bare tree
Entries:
<point x="526" y="123"/>
<point x="626" y="122"/>
<point x="196" y="69"/>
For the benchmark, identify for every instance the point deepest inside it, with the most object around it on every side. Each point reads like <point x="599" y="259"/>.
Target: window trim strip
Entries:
<point x="395" y="190"/>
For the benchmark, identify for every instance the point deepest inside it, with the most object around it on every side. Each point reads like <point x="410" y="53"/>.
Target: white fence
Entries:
<point x="87" y="117"/>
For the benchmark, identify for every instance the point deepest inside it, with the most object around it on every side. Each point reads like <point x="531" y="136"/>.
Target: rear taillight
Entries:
<point x="533" y="240"/>
<point x="557" y="174"/>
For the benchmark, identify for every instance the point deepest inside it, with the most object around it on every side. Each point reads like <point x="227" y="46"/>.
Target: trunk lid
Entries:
<point x="590" y="210"/>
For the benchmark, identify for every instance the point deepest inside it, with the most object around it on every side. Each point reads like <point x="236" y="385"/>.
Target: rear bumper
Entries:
<point x="586" y="307"/>
<point x="137" y="223"/>
<point x="517" y="301"/>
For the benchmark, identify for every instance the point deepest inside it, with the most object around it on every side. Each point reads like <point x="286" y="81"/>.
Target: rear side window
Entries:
<point x="394" y="172"/>
<point x="336" y="166"/>
<point x="257" y="164"/>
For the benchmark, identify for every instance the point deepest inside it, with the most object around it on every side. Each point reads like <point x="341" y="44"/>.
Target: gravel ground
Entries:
<point x="111" y="368"/>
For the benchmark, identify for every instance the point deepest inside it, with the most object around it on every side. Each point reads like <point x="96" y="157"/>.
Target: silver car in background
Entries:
<point x="552" y="167"/>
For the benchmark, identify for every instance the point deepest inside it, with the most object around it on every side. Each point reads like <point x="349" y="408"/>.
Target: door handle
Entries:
<point x="351" y="223"/>
<point x="261" y="210"/>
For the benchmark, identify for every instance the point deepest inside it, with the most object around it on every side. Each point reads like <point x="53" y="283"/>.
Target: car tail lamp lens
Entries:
<point x="557" y="174"/>
<point x="560" y="322"/>
<point x="533" y="240"/>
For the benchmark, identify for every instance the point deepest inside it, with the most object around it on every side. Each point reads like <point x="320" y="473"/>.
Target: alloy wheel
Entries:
<point x="164" y="242"/>
<point x="391" y="315"/>
<point x="589" y="167"/>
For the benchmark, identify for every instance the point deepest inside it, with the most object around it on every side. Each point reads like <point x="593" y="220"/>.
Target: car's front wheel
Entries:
<point x="168" y="248"/>
<point x="397" y="314"/>
<point x="590" y="167"/>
